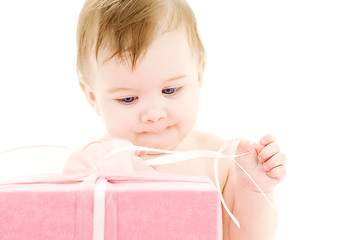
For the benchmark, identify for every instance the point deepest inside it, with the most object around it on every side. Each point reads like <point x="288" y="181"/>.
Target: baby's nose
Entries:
<point x="154" y="114"/>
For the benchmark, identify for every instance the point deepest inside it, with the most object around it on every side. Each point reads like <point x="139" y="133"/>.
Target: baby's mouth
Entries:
<point x="157" y="130"/>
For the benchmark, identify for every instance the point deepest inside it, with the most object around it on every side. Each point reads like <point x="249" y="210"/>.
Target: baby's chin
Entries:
<point x="156" y="145"/>
<point x="163" y="141"/>
<point x="166" y="140"/>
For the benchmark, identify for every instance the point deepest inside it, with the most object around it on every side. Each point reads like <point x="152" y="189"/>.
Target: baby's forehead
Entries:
<point x="128" y="57"/>
<point x="160" y="62"/>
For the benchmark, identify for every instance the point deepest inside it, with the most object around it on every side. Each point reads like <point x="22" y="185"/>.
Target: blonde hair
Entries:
<point x="128" y="27"/>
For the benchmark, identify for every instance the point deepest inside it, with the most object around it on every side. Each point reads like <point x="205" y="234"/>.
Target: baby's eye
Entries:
<point x="170" y="91"/>
<point x="127" y="100"/>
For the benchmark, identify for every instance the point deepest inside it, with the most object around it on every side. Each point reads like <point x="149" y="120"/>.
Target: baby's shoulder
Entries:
<point x="203" y="140"/>
<point x="198" y="139"/>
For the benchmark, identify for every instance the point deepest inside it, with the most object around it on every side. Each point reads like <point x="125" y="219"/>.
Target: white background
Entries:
<point x="280" y="67"/>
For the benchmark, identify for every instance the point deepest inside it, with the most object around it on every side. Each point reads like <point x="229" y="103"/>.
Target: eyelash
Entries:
<point x="175" y="90"/>
<point x="128" y="100"/>
<point x="131" y="100"/>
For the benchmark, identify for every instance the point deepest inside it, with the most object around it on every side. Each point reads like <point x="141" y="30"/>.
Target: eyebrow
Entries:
<point x="175" y="78"/>
<point x="166" y="81"/>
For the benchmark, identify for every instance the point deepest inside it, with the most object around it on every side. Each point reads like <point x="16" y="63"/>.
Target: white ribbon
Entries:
<point x="175" y="157"/>
<point x="99" y="209"/>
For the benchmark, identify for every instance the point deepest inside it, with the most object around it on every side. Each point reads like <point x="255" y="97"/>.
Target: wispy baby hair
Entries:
<point x="126" y="28"/>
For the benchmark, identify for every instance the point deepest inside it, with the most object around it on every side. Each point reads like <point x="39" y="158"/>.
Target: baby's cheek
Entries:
<point x="118" y="129"/>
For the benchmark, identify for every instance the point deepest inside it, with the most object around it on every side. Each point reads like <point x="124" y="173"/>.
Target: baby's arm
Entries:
<point x="265" y="164"/>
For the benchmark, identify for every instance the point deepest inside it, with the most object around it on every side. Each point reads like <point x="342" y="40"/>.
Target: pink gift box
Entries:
<point x="158" y="206"/>
<point x="134" y="210"/>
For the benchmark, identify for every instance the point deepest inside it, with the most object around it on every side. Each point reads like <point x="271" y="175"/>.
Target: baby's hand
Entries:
<point x="264" y="163"/>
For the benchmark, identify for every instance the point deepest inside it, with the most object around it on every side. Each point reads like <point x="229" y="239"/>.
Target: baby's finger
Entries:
<point x="264" y="141"/>
<point x="267" y="139"/>
<point x="259" y="147"/>
<point x="276" y="160"/>
<point x="269" y="151"/>
<point x="278" y="172"/>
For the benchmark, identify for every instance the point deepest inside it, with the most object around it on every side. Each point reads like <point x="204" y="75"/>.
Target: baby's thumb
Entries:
<point x="248" y="154"/>
<point x="245" y="146"/>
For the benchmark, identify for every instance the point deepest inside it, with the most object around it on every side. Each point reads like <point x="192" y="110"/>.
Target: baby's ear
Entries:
<point x="89" y="94"/>
<point x="201" y="73"/>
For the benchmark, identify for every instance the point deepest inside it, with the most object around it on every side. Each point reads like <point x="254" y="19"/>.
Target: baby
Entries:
<point x="141" y="65"/>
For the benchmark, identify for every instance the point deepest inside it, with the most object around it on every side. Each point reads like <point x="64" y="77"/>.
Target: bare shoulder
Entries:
<point x="209" y="141"/>
<point x="198" y="139"/>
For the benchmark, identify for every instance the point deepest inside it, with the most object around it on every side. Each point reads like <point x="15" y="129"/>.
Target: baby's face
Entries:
<point x="156" y="104"/>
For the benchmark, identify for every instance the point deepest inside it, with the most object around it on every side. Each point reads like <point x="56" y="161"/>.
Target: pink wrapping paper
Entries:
<point x="143" y="204"/>
<point x="134" y="210"/>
